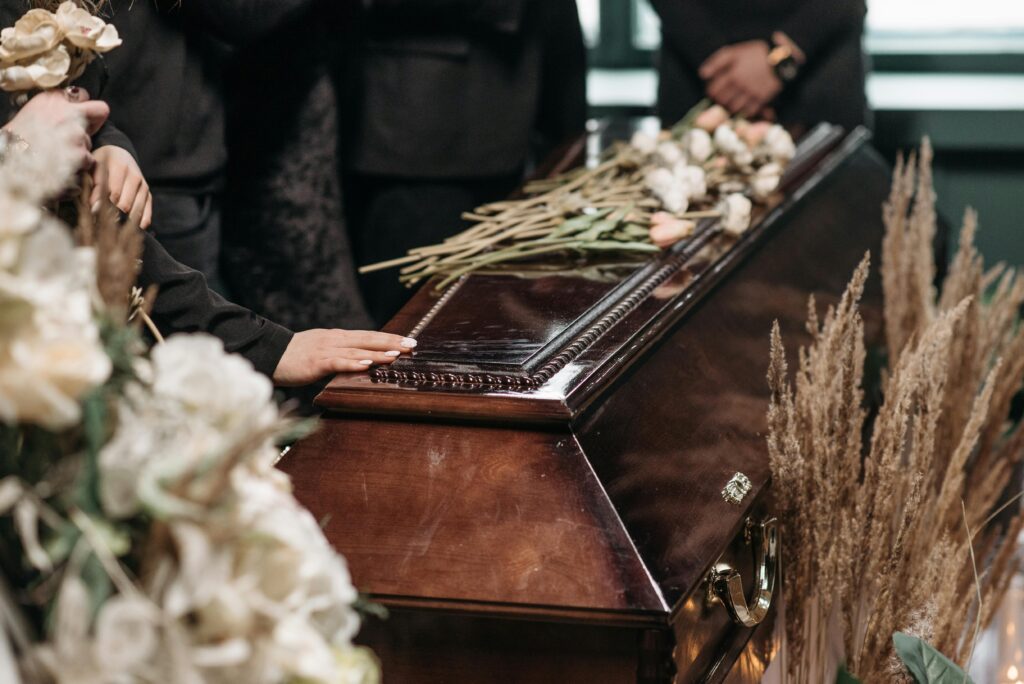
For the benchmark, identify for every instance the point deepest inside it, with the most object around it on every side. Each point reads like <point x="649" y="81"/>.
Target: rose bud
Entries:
<point x="711" y="118"/>
<point x="666" y="229"/>
<point x="754" y="133"/>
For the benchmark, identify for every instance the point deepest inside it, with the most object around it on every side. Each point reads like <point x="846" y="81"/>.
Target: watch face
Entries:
<point x="787" y="69"/>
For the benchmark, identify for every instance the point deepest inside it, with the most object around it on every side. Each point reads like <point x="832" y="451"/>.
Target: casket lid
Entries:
<point x="538" y="347"/>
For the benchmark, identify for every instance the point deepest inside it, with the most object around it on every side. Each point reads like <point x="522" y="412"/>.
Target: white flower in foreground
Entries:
<point x="203" y="403"/>
<point x="699" y="145"/>
<point x="211" y="385"/>
<point x="33" y="34"/>
<point x="17" y="219"/>
<point x="735" y="210"/>
<point x="643" y="143"/>
<point x="126" y="633"/>
<point x="42" y="173"/>
<point x="50" y="351"/>
<point x="256" y="573"/>
<point x="85" y="30"/>
<point x="778" y="144"/>
<point x="766" y="180"/>
<point x="47" y="70"/>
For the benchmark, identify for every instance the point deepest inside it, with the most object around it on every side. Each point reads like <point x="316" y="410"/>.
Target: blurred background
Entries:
<point x="950" y="69"/>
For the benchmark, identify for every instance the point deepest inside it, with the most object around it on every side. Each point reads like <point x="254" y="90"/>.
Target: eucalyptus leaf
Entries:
<point x="844" y="676"/>
<point x="925" y="663"/>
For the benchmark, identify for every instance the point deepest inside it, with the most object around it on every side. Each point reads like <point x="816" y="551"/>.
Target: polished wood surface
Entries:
<point x="536" y="494"/>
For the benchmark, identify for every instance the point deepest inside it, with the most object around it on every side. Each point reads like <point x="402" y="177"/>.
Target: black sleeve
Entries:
<point x="816" y="24"/>
<point x="110" y="134"/>
<point x="689" y="30"/>
<point x="185" y="304"/>
<point x="503" y="16"/>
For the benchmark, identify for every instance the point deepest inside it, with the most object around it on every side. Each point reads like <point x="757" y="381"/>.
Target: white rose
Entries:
<point x="663" y="184"/>
<point x="669" y="154"/>
<point x="727" y="141"/>
<point x="643" y="143"/>
<point x="85" y="30"/>
<point x="33" y="34"/>
<point x="698" y="144"/>
<point x="778" y="144"/>
<point x="50" y="351"/>
<point x="692" y="178"/>
<point x="735" y="210"/>
<point x="126" y="633"/>
<point x="17" y="219"/>
<point x="766" y="180"/>
<point x="358" y="665"/>
<point x="302" y="653"/>
<point x="222" y="388"/>
<point x="48" y="70"/>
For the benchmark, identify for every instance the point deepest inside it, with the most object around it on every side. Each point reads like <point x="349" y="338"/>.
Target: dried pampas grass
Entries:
<point x="876" y="534"/>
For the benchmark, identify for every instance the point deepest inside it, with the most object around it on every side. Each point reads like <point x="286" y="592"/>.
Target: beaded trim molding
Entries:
<point x="568" y="354"/>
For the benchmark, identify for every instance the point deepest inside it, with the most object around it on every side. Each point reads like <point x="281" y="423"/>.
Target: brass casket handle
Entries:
<point x="727" y="583"/>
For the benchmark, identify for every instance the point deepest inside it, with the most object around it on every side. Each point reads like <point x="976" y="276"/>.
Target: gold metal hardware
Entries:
<point x="736" y="489"/>
<point x="726" y="585"/>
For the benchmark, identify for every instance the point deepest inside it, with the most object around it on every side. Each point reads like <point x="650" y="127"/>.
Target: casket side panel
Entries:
<point x="472" y="518"/>
<point x="679" y="423"/>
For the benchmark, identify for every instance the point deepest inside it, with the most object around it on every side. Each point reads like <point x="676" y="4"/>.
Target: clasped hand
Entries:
<point x="740" y="78"/>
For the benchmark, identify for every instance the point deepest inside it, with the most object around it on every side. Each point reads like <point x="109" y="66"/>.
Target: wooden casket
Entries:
<point x="568" y="481"/>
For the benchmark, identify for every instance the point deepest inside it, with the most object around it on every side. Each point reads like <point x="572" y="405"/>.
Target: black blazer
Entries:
<point x="462" y="88"/>
<point x="831" y="85"/>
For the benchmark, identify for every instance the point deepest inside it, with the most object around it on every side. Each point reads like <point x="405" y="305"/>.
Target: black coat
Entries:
<point x="465" y="88"/>
<point x="830" y="86"/>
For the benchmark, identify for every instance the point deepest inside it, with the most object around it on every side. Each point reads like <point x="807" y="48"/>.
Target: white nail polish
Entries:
<point x="408" y="343"/>
<point x="365" y="362"/>
<point x="96" y="207"/>
<point x="392" y="353"/>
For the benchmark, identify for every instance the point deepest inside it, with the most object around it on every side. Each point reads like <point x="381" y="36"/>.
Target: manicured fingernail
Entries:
<point x="408" y="343"/>
<point x="392" y="353"/>
<point x="96" y="207"/>
<point x="365" y="362"/>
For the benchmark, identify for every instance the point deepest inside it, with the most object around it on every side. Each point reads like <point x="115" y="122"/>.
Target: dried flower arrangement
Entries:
<point x="644" y="196"/>
<point x="885" y="539"/>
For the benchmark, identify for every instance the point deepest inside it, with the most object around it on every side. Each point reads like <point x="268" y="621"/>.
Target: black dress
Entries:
<point x="286" y="252"/>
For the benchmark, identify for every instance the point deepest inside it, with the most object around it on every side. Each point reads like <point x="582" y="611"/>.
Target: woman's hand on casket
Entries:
<point x="314" y="354"/>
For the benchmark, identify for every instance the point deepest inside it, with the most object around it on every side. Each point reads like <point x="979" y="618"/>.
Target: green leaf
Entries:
<point x="844" y="676"/>
<point x="926" y="664"/>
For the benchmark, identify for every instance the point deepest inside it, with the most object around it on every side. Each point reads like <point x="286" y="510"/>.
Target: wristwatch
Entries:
<point x="783" y="62"/>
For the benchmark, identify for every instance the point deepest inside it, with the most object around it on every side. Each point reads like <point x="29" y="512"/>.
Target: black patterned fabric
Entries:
<point x="286" y="252"/>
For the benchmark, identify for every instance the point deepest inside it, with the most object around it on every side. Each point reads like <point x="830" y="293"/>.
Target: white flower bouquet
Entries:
<point x="643" y="196"/>
<point x="45" y="50"/>
<point x="145" y="535"/>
